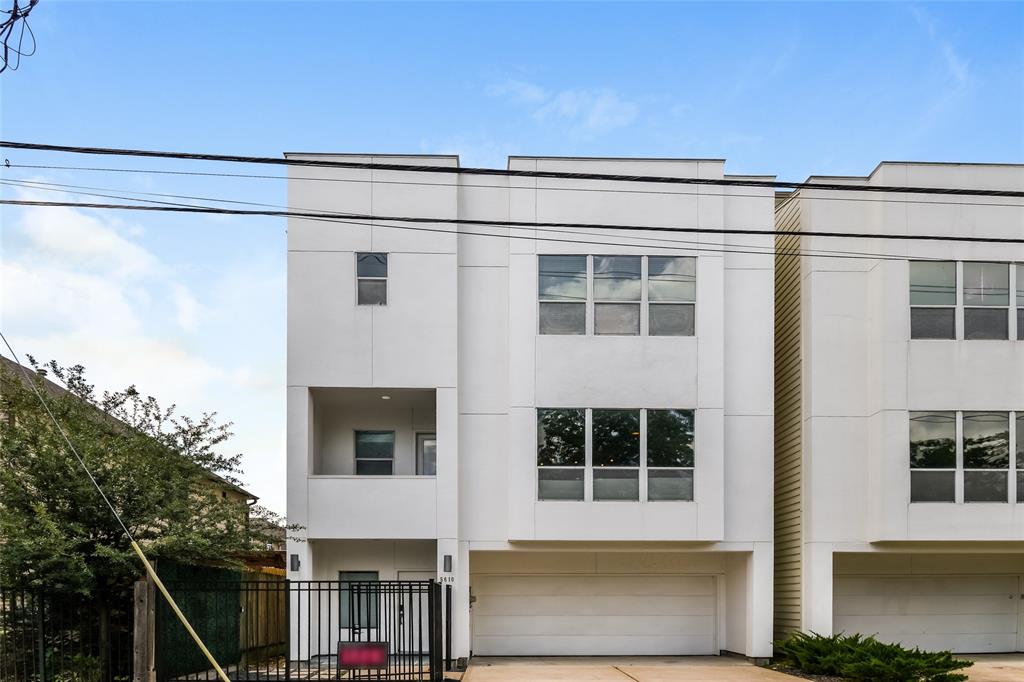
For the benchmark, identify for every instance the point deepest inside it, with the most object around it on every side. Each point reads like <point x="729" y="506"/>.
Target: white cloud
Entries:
<point x="518" y="91"/>
<point x="586" y="112"/>
<point x="188" y="309"/>
<point x="957" y="67"/>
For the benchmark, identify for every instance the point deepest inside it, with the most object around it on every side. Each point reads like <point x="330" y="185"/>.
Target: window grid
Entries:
<point x="643" y="302"/>
<point x="1014" y="307"/>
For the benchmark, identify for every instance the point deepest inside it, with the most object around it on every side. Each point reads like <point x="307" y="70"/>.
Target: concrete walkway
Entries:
<point x="619" y="669"/>
<point x="996" y="668"/>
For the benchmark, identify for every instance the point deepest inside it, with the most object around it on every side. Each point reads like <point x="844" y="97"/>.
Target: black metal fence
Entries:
<point x="305" y="630"/>
<point x="53" y="636"/>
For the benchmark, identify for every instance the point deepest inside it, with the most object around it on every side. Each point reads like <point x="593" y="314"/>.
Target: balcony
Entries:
<point x="374" y="460"/>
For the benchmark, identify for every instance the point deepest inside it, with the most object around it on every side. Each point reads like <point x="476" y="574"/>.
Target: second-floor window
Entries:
<point x="619" y="295"/>
<point x="969" y="300"/>
<point x="375" y="453"/>
<point x="371" y="278"/>
<point x="965" y="456"/>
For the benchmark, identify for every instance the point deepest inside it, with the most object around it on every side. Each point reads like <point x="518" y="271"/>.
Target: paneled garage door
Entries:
<point x="973" y="614"/>
<point x="593" y="615"/>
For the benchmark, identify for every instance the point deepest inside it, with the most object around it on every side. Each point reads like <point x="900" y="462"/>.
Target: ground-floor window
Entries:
<point x="363" y="610"/>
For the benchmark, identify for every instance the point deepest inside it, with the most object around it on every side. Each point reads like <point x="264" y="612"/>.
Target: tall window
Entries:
<point x="561" y="454"/>
<point x="669" y="455"/>
<point x="616" y="443"/>
<point x="372" y="278"/>
<point x="671" y="295"/>
<point x="986" y="444"/>
<point x="631" y="455"/>
<point x="986" y="300"/>
<point x="933" y="457"/>
<point x="932" y="300"/>
<point x="617" y="295"/>
<point x="563" y="294"/>
<point x="1020" y="301"/>
<point x="375" y="453"/>
<point x="1020" y="455"/>
<point x="361" y="611"/>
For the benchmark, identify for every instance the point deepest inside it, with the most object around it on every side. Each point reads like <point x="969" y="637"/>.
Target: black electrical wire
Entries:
<point x="458" y="170"/>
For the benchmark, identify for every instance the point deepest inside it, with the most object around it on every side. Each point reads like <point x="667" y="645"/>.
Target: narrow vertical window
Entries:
<point x="671" y="295"/>
<point x="986" y="300"/>
<point x="561" y="454"/>
<point x="375" y="453"/>
<point x="986" y="456"/>
<point x="932" y="300"/>
<point x="562" y="290"/>
<point x="1020" y="455"/>
<point x="617" y="295"/>
<point x="1020" y="301"/>
<point x="372" y="278"/>
<point x="669" y="455"/>
<point x="932" y="456"/>
<point x="616" y="446"/>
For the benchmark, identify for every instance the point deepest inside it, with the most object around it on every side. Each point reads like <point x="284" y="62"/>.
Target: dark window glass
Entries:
<point x="932" y="440"/>
<point x="670" y="319"/>
<point x="986" y="284"/>
<point x="986" y="323"/>
<point x="559" y="484"/>
<point x="617" y="318"/>
<point x="671" y="278"/>
<point x="560" y="437"/>
<point x="563" y="278"/>
<point x="1020" y="319"/>
<point x="670" y="484"/>
<point x="1020" y="284"/>
<point x="1020" y="485"/>
<point x="932" y="323"/>
<point x="932" y="486"/>
<point x="985" y="486"/>
<point x="374" y="467"/>
<point x="616" y="440"/>
<point x="670" y="438"/>
<point x="375" y="453"/>
<point x="616" y="278"/>
<point x="617" y="484"/>
<point x="986" y="440"/>
<point x="563" y="318"/>
<point x="932" y="283"/>
<point x="1020" y="440"/>
<point x="372" y="291"/>
<point x="371" y="265"/>
<point x="363" y="610"/>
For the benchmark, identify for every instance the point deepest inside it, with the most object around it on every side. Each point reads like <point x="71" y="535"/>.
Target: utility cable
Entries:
<point x="29" y="380"/>
<point x="460" y="170"/>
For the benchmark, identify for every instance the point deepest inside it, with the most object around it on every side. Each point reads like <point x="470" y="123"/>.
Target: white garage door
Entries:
<point x="964" y="614"/>
<point x="593" y="615"/>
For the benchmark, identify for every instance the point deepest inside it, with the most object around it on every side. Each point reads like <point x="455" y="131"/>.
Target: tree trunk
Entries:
<point x="104" y="617"/>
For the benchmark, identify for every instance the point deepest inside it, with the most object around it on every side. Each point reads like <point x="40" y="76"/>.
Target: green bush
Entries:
<point x="856" y="657"/>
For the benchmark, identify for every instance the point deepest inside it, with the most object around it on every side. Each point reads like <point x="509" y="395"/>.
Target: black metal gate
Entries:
<point x="288" y="630"/>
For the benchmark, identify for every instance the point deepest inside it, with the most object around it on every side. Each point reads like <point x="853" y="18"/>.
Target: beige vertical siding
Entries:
<point x="787" y="417"/>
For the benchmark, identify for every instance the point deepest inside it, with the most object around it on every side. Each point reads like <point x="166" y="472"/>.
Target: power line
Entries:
<point x="256" y="176"/>
<point x="457" y="170"/>
<point x="52" y="186"/>
<point x="512" y="223"/>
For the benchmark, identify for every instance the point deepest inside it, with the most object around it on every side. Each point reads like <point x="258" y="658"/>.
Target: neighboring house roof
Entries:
<point x="56" y="390"/>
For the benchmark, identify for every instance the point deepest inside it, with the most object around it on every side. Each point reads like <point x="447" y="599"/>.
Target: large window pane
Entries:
<point x="372" y="291"/>
<point x="1020" y="440"/>
<point x="671" y="278"/>
<point x="374" y="467"/>
<point x="670" y="319"/>
<point x="563" y="318"/>
<point x="559" y="484"/>
<point x="375" y="453"/>
<point x="616" y="440"/>
<point x="932" y="283"/>
<point x="560" y="437"/>
<point x="985" y="486"/>
<point x="986" y="440"/>
<point x="617" y="484"/>
<point x="986" y="284"/>
<point x="932" y="440"/>
<point x="617" y="318"/>
<point x="616" y="278"/>
<point x="669" y="484"/>
<point x="1020" y="485"/>
<point x="932" y="323"/>
<point x="670" y="438"/>
<point x="986" y="323"/>
<point x="362" y="611"/>
<point x="371" y="265"/>
<point x="563" y="278"/>
<point x="932" y="486"/>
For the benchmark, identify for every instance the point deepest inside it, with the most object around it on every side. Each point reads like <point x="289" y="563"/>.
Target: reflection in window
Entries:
<point x="986" y="297"/>
<point x="616" y="278"/>
<point x="1020" y="452"/>
<point x="669" y="455"/>
<point x="1020" y="304"/>
<point x="562" y="288"/>
<point x="932" y="300"/>
<point x="375" y="453"/>
<point x="932" y="449"/>
<point x="616" y="443"/>
<point x="986" y="443"/>
<point x="561" y="453"/>
<point x="671" y="293"/>
<point x="371" y="278"/>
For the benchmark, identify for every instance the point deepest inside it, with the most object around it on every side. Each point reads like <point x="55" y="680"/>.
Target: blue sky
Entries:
<point x="192" y="308"/>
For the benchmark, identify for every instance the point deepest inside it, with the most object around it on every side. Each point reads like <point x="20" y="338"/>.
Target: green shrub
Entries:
<point x="856" y="657"/>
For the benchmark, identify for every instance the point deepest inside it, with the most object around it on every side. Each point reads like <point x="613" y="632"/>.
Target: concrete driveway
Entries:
<point x="996" y="668"/>
<point x="619" y="669"/>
